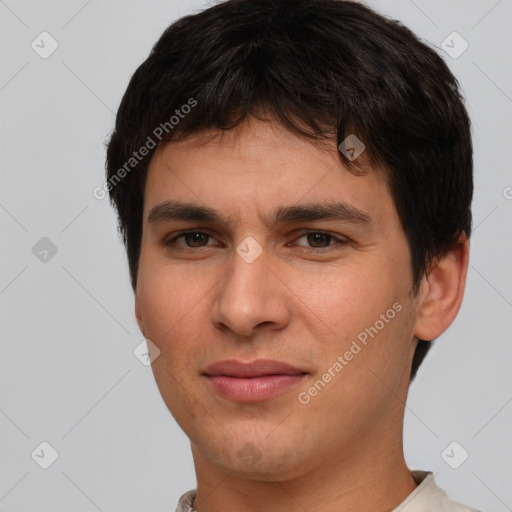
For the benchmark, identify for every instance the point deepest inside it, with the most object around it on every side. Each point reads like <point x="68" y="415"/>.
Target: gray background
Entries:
<point x="68" y="375"/>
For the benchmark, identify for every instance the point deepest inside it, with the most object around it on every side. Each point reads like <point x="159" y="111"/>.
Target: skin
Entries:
<point x="343" y="450"/>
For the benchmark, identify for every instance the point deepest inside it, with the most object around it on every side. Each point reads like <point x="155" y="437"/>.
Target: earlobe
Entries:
<point x="442" y="290"/>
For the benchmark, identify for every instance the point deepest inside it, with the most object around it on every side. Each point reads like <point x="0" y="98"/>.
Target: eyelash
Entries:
<point x="311" y="250"/>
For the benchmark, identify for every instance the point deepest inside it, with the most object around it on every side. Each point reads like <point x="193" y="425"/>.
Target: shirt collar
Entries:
<point x="423" y="498"/>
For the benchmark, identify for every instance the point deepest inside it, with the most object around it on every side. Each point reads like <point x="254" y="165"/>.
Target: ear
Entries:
<point x="138" y="316"/>
<point x="442" y="290"/>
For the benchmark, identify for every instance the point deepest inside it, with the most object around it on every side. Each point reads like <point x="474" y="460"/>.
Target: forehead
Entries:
<point x="259" y="167"/>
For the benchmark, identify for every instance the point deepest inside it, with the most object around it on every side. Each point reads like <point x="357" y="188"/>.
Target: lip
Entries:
<point x="252" y="381"/>
<point x="258" y="368"/>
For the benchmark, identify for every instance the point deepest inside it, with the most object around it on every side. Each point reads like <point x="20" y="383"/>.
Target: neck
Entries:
<point x="368" y="477"/>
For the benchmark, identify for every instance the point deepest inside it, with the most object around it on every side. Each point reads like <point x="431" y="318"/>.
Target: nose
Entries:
<point x="250" y="296"/>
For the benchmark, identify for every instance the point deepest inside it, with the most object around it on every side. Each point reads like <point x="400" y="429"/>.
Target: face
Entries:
<point x="266" y="274"/>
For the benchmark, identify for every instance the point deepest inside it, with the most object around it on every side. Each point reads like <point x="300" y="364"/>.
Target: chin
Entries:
<point x="258" y="458"/>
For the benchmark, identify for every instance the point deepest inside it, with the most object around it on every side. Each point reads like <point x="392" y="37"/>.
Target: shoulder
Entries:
<point x="186" y="501"/>
<point x="429" y="497"/>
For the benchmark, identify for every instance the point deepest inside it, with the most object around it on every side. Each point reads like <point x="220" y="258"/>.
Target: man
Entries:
<point x="293" y="182"/>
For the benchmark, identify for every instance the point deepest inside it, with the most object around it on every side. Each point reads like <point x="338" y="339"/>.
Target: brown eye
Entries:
<point x="195" y="239"/>
<point x="192" y="239"/>
<point x="319" y="239"/>
<point x="319" y="242"/>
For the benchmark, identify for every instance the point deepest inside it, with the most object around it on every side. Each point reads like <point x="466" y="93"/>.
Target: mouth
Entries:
<point x="252" y="381"/>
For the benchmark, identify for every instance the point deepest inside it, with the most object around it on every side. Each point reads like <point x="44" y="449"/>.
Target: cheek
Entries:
<point x="348" y="299"/>
<point x="156" y="305"/>
<point x="367" y="315"/>
<point x="175" y="312"/>
<point x="167" y="297"/>
<point x="170" y="312"/>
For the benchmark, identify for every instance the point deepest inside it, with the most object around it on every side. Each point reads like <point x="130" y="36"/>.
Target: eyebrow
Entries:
<point x="169" y="211"/>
